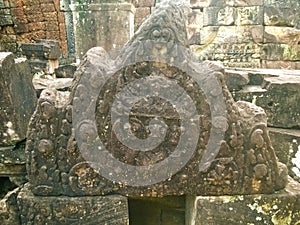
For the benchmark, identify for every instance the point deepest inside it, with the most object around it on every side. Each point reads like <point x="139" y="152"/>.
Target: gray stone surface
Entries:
<point x="18" y="98"/>
<point x="22" y="207"/>
<point x="110" y="210"/>
<point x="237" y="28"/>
<point x="286" y="143"/>
<point x="42" y="55"/>
<point x="276" y="52"/>
<point x="235" y="79"/>
<point x="9" y="213"/>
<point x="277" y="92"/>
<point x="110" y="25"/>
<point x="282" y="16"/>
<point x="282" y="3"/>
<point x="60" y="84"/>
<point x="281" y="208"/>
<point x="65" y="71"/>
<point x="12" y="161"/>
<point x="42" y="49"/>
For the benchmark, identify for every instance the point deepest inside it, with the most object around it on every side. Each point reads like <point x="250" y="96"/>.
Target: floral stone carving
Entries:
<point x="152" y="122"/>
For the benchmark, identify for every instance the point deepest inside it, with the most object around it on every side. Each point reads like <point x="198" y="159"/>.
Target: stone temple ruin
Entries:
<point x="149" y="134"/>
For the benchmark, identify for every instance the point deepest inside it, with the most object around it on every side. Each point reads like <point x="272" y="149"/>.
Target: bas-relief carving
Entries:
<point x="226" y="16"/>
<point x="282" y="3"/>
<point x="249" y="15"/>
<point x="245" y="163"/>
<point x="240" y="16"/>
<point x="233" y="55"/>
<point x="112" y="209"/>
<point x="244" y="2"/>
<point x="238" y="22"/>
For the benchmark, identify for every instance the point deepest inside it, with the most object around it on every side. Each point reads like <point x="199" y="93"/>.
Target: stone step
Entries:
<point x="22" y="207"/>
<point x="280" y="208"/>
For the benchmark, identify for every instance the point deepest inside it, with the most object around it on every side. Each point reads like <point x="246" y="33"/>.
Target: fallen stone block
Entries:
<point x="60" y="84"/>
<point x="42" y="55"/>
<point x="236" y="80"/>
<point x="18" y="99"/>
<point x="66" y="71"/>
<point x="287" y="147"/>
<point x="277" y="92"/>
<point x="110" y="209"/>
<point x="43" y="49"/>
<point x="280" y="208"/>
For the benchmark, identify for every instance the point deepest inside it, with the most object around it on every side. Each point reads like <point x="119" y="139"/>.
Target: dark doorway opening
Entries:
<point x="5" y="186"/>
<point x="157" y="211"/>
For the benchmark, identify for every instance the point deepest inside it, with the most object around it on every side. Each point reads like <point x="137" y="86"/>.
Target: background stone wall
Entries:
<point x="143" y="9"/>
<point x="25" y="21"/>
<point x="240" y="33"/>
<point x="253" y="33"/>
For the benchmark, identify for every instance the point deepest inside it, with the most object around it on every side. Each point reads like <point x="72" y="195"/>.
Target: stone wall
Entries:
<point x="25" y="21"/>
<point x="253" y="34"/>
<point x="257" y="33"/>
<point x="143" y="10"/>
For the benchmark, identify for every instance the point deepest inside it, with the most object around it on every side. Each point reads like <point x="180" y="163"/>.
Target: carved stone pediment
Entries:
<point x="152" y="122"/>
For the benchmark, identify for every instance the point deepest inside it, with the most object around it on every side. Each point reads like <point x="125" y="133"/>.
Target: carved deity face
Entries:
<point x="161" y="34"/>
<point x="156" y="37"/>
<point x="160" y="40"/>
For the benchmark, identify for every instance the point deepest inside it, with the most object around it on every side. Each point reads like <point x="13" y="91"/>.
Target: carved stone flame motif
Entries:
<point x="152" y="122"/>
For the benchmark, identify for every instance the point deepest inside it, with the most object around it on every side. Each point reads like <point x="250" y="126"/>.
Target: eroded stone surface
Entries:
<point x="241" y="33"/>
<point x="65" y="71"/>
<point x="277" y="92"/>
<point x="110" y="25"/>
<point x="12" y="161"/>
<point x="281" y="16"/>
<point x="9" y="213"/>
<point x="287" y="147"/>
<point x="17" y="100"/>
<point x="110" y="210"/>
<point x="275" y="209"/>
<point x="224" y="147"/>
<point x="60" y="84"/>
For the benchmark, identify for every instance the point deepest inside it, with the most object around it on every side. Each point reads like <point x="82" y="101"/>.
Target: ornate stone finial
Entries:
<point x="160" y="36"/>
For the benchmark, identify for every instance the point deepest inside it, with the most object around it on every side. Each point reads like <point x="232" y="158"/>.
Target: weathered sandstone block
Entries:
<point x="17" y="100"/>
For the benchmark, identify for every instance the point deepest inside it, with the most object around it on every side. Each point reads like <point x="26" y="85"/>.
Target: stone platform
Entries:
<point x="280" y="208"/>
<point x="22" y="207"/>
